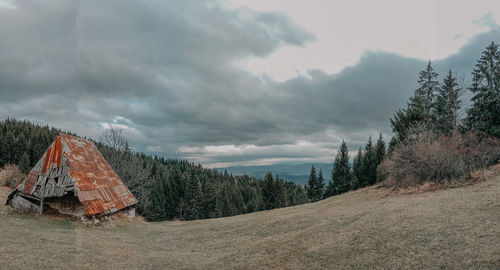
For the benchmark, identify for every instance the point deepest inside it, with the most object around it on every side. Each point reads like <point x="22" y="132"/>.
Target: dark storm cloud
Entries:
<point x="166" y="72"/>
<point x="157" y="63"/>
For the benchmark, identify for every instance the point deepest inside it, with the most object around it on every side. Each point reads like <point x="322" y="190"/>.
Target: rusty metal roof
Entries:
<point x="97" y="186"/>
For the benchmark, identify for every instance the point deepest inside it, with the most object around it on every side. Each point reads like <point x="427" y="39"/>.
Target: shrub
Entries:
<point x="384" y="170"/>
<point x="10" y="176"/>
<point x="428" y="157"/>
<point x="480" y="151"/>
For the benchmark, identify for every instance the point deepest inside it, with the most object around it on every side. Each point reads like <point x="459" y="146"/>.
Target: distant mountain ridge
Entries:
<point x="298" y="173"/>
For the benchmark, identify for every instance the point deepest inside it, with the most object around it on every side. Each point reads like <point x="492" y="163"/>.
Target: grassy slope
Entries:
<point x="450" y="229"/>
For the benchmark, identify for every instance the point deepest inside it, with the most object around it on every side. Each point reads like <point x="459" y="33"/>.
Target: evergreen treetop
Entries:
<point x="484" y="114"/>
<point x="320" y="186"/>
<point x="380" y="152"/>
<point x="424" y="95"/>
<point x="357" y="174"/>
<point x="447" y="105"/>
<point x="314" y="187"/>
<point x="341" y="172"/>
<point x="419" y="108"/>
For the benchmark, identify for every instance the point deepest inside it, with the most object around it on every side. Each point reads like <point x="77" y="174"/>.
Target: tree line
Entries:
<point x="23" y="143"/>
<point x="169" y="189"/>
<point x="347" y="175"/>
<point x="438" y="105"/>
<point x="166" y="189"/>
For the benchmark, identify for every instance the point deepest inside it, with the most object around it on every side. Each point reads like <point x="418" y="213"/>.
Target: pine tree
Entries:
<point x="168" y="194"/>
<point x="369" y="166"/>
<point x="4" y="157"/>
<point x="230" y="208"/>
<point x="280" y="193"/>
<point x="447" y="105"/>
<point x="178" y="190"/>
<point x="312" y="184"/>
<point x="253" y="200"/>
<point x="320" y="188"/>
<point x="484" y="114"/>
<point x="418" y="110"/>
<point x="341" y="172"/>
<point x="379" y="154"/>
<point x="424" y="95"/>
<point x="237" y="199"/>
<point x="268" y="194"/>
<point x="22" y="145"/>
<point x="402" y="120"/>
<point x="156" y="201"/>
<point x="209" y="199"/>
<point x="219" y="203"/>
<point x="193" y="199"/>
<point x="24" y="164"/>
<point x="10" y="151"/>
<point x="331" y="187"/>
<point x="357" y="174"/>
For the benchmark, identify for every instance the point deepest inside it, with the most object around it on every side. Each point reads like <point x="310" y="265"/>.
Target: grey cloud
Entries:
<point x="355" y="103"/>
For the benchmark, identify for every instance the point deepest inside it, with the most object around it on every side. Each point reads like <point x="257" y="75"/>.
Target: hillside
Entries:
<point x="456" y="228"/>
<point x="298" y="173"/>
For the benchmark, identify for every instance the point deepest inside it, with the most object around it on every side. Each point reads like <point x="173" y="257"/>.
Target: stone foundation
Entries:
<point x="24" y="205"/>
<point x="124" y="214"/>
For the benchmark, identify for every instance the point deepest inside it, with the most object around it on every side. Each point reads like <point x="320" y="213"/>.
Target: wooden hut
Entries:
<point x="73" y="178"/>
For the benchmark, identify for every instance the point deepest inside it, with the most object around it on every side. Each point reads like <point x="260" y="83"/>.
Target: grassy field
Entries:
<point x="457" y="228"/>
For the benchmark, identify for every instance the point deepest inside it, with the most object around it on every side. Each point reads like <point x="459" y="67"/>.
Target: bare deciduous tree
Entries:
<point x="463" y="84"/>
<point x="114" y="138"/>
<point x="126" y="164"/>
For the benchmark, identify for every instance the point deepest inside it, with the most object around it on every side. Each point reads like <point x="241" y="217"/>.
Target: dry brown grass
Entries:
<point x="10" y="176"/>
<point x="476" y="176"/>
<point x="423" y="188"/>
<point x="456" y="228"/>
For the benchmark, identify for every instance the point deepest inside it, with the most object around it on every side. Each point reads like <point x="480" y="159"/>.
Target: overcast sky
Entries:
<point x="231" y="82"/>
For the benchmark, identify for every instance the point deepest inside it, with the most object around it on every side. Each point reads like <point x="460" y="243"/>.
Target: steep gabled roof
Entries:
<point x="97" y="186"/>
